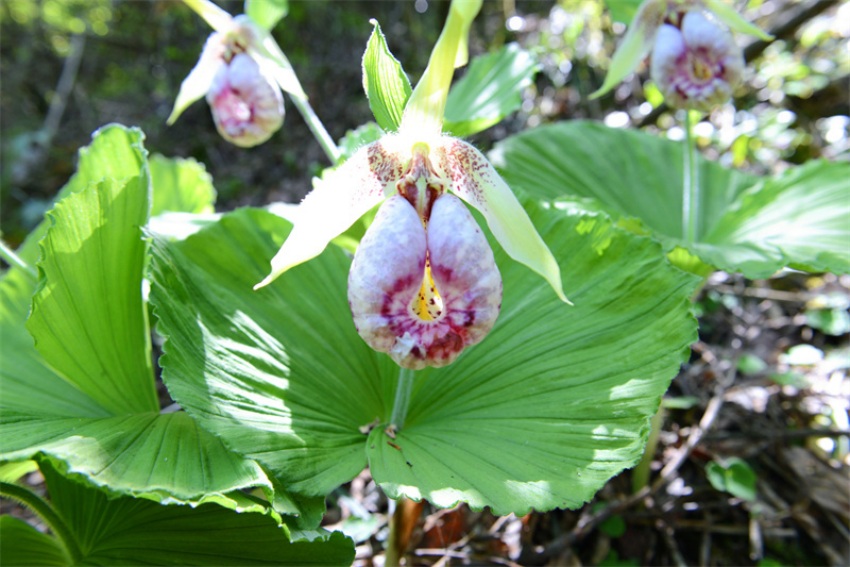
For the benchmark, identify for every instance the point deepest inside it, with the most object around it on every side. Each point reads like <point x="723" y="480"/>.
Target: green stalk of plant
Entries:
<point x="690" y="192"/>
<point x="13" y="259"/>
<point x="402" y="397"/>
<point x="317" y="128"/>
<point x="43" y="510"/>
<point x="640" y="474"/>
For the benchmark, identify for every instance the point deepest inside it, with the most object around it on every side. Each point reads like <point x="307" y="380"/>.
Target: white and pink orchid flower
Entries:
<point x="423" y="285"/>
<point x="246" y="105"/>
<point x="241" y="72"/>
<point x="696" y="66"/>
<point x="711" y="49"/>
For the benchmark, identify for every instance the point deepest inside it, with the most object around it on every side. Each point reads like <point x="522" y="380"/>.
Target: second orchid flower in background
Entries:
<point x="242" y="72"/>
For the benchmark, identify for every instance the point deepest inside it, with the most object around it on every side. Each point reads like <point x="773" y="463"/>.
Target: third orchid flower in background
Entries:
<point x="695" y="60"/>
<point x="423" y="284"/>
<point x="696" y="64"/>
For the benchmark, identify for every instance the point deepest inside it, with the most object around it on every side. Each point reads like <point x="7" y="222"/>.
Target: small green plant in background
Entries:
<point x="733" y="475"/>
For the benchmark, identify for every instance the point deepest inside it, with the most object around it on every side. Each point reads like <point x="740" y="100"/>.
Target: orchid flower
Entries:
<point x="650" y="30"/>
<point x="423" y="284"/>
<point x="696" y="66"/>
<point x="241" y="72"/>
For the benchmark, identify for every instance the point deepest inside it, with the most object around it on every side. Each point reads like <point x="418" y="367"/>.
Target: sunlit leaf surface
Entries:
<point x="87" y="398"/>
<point x="799" y="219"/>
<point x="554" y="402"/>
<point x="490" y="90"/>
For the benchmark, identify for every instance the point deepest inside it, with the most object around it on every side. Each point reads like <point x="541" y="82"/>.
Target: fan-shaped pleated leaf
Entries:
<point x="25" y="546"/>
<point x="87" y="398"/>
<point x="540" y="414"/>
<point x="130" y="531"/>
<point x="180" y="185"/>
<point x="629" y="173"/>
<point x="87" y="318"/>
<point x="801" y="218"/>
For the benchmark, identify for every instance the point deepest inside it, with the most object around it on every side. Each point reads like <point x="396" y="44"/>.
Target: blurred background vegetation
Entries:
<point x="71" y="66"/>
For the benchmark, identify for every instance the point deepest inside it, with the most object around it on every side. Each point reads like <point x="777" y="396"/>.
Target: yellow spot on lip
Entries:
<point x="702" y="71"/>
<point x="428" y="304"/>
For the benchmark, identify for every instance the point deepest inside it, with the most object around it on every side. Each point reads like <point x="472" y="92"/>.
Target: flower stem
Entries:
<point x="43" y="510"/>
<point x="317" y="128"/>
<point x="690" y="192"/>
<point x="403" y="519"/>
<point x="402" y="397"/>
<point x="14" y="260"/>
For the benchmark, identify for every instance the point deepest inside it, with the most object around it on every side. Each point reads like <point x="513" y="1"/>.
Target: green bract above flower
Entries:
<point x="240" y="71"/>
<point x="650" y="16"/>
<point x="423" y="284"/>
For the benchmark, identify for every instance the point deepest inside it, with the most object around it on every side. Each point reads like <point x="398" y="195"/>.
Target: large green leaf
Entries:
<point x="128" y="531"/>
<point x="23" y="545"/>
<point x="385" y="82"/>
<point x="490" y="90"/>
<point x="161" y="457"/>
<point x="87" y="318"/>
<point x="180" y="185"/>
<point x="251" y="366"/>
<point x="557" y="399"/>
<point x="115" y="152"/>
<point x="95" y="422"/>
<point x="801" y="218"/>
<point x="553" y="403"/>
<point x="26" y="380"/>
<point x="629" y="173"/>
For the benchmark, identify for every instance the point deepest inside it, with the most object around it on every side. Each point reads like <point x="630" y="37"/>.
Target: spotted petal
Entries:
<point x="474" y="180"/>
<point x="336" y="202"/>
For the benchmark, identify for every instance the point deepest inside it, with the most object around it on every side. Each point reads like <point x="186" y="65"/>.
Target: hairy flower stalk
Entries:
<point x="423" y="285"/>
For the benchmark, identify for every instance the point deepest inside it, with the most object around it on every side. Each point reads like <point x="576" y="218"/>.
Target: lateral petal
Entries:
<point x="476" y="181"/>
<point x="336" y="202"/>
<point x="217" y="18"/>
<point x="200" y="79"/>
<point x="635" y="45"/>
<point x="729" y="16"/>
